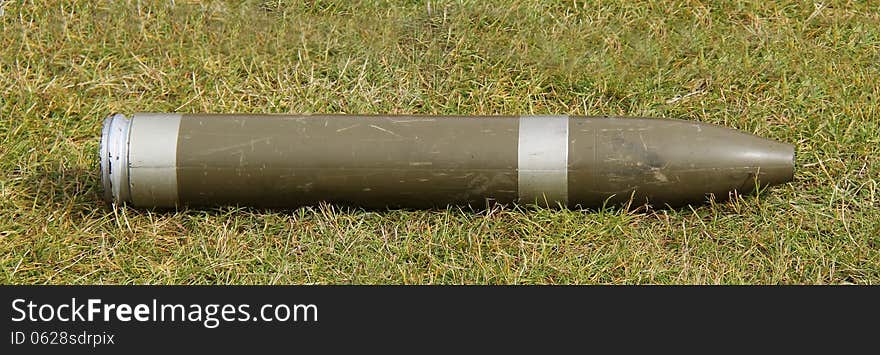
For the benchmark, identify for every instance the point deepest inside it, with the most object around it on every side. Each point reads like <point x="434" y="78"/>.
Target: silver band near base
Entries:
<point x="153" y="159"/>
<point x="543" y="160"/>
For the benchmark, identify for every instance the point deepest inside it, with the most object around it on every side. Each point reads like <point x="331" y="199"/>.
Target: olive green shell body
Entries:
<point x="433" y="161"/>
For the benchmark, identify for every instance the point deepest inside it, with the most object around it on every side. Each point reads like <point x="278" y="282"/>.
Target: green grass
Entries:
<point x="790" y="70"/>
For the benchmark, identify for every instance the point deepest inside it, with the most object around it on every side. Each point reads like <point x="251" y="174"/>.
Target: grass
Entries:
<point x="794" y="71"/>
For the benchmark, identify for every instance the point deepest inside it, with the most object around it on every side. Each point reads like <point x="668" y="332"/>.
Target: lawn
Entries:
<point x="786" y="70"/>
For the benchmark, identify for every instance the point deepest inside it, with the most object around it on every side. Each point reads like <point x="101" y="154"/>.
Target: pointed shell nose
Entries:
<point x="775" y="162"/>
<point x="766" y="161"/>
<point x="669" y="162"/>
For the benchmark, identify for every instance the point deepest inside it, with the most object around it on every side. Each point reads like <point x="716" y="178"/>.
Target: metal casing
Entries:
<point x="376" y="161"/>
